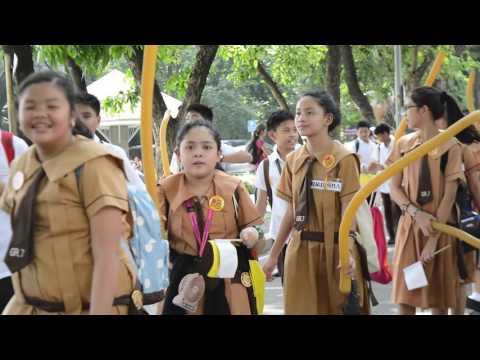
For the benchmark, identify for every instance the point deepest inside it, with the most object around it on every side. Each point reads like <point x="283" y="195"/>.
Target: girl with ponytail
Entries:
<point x="470" y="142"/>
<point x="425" y="192"/>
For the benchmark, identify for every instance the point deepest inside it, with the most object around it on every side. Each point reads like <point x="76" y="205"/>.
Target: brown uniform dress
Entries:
<point x="471" y="161"/>
<point x="312" y="277"/>
<point x="174" y="191"/>
<point x="442" y="271"/>
<point x="62" y="268"/>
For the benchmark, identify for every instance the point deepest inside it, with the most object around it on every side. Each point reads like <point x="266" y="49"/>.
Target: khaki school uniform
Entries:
<point x="62" y="268"/>
<point x="312" y="277"/>
<point x="173" y="192"/>
<point x="442" y="271"/>
<point x="471" y="161"/>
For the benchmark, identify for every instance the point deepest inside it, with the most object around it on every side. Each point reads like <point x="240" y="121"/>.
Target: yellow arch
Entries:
<point x="148" y="79"/>
<point x="402" y="127"/>
<point x="163" y="143"/>
<point x="470" y="88"/>
<point x="379" y="179"/>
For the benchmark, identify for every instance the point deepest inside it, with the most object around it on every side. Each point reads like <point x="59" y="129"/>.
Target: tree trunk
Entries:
<point x="24" y="62"/>
<point x="334" y="68"/>
<point x="76" y="73"/>
<point x="272" y="86"/>
<point x="196" y="84"/>
<point x="353" y="86"/>
<point x="417" y="73"/>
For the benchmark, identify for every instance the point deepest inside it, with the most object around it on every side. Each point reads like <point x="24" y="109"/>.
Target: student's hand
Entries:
<point x="429" y="249"/>
<point x="372" y="167"/>
<point x="424" y="221"/>
<point x="269" y="266"/>
<point x="350" y="270"/>
<point x="249" y="237"/>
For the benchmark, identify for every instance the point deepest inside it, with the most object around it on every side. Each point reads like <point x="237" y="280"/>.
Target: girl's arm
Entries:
<point x="422" y="218"/>
<point x="261" y="203"/>
<point x="106" y="231"/>
<point x="443" y="213"/>
<point x="282" y="236"/>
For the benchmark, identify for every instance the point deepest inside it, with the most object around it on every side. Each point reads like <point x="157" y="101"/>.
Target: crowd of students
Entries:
<point x="65" y="201"/>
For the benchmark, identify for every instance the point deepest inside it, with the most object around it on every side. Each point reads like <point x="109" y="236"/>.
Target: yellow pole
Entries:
<point x="470" y="87"/>
<point x="163" y="143"/>
<point x="429" y="82"/>
<point x="457" y="233"/>
<point x="12" y="118"/>
<point x="379" y="179"/>
<point x="148" y="79"/>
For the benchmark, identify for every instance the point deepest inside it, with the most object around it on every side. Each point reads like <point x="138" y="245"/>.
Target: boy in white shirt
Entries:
<point x="281" y="129"/>
<point x="363" y="146"/>
<point x="88" y="111"/>
<point x="378" y="157"/>
<point x="11" y="147"/>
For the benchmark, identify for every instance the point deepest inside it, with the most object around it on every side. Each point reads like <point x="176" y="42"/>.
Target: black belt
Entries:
<point x="317" y="236"/>
<point x="58" y="307"/>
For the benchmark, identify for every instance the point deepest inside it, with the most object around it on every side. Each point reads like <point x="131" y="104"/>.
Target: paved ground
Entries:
<point x="274" y="298"/>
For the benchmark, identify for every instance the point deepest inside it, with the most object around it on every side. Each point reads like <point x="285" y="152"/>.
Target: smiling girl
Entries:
<point x="318" y="181"/>
<point x="67" y="225"/>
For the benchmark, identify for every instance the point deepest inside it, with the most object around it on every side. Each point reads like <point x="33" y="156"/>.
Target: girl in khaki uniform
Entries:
<point x="312" y="274"/>
<point x="424" y="193"/>
<point x="199" y="182"/>
<point x="63" y="256"/>
<point x="470" y="143"/>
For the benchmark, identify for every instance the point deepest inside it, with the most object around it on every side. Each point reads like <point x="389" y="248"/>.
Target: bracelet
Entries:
<point x="415" y="212"/>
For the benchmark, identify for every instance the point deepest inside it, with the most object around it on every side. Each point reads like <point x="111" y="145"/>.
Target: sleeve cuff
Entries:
<point x="106" y="201"/>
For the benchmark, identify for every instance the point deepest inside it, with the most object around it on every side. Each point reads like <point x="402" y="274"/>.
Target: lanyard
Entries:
<point x="201" y="239"/>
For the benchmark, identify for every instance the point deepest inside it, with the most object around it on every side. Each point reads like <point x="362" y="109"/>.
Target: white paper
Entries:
<point x="415" y="277"/>
<point x="228" y="259"/>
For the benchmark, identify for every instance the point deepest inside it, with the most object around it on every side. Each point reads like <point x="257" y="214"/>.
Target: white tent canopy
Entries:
<point x="111" y="85"/>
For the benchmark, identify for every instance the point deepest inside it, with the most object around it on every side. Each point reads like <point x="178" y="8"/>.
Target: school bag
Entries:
<point x="266" y="175"/>
<point x="384" y="275"/>
<point x="150" y="252"/>
<point x="7" y="143"/>
<point x="468" y="219"/>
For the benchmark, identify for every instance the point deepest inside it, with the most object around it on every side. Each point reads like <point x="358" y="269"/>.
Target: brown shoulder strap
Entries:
<point x="266" y="175"/>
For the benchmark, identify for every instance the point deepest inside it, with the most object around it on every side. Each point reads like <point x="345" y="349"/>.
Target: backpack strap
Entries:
<point x="357" y="146"/>
<point x="266" y="175"/>
<point x="7" y="142"/>
<point x="78" y="172"/>
<point x="444" y="162"/>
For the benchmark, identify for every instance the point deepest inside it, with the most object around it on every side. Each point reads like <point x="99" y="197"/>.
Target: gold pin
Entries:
<point x="18" y="180"/>
<point x="216" y="203"/>
<point x="137" y="298"/>
<point x="246" y="280"/>
<point x="328" y="161"/>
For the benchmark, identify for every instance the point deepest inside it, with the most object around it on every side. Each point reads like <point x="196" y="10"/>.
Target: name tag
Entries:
<point x="322" y="185"/>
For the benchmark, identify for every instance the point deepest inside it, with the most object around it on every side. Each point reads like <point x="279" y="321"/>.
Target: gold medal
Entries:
<point x="328" y="161"/>
<point x="246" y="280"/>
<point x="17" y="181"/>
<point x="216" y="203"/>
<point x="137" y="298"/>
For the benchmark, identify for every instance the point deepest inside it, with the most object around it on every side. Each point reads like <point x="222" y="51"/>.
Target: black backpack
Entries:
<point x="468" y="218"/>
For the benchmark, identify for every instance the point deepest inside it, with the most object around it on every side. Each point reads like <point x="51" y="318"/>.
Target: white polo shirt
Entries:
<point x="380" y="154"/>
<point x="364" y="152"/>
<point x="279" y="206"/>
<point x="175" y="165"/>
<point x="20" y="147"/>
